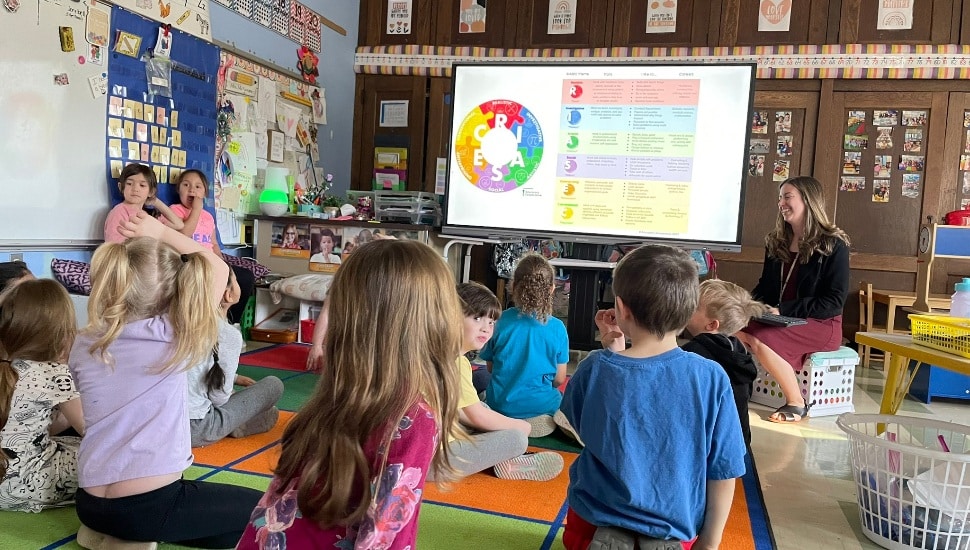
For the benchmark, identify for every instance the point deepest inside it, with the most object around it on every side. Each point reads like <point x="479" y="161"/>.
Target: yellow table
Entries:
<point x="902" y="348"/>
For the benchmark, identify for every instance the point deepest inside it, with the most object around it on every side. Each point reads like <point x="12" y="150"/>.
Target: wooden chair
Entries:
<point x="866" y="310"/>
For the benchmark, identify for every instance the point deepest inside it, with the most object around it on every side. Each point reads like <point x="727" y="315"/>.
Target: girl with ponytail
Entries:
<point x="38" y="398"/>
<point x="153" y="313"/>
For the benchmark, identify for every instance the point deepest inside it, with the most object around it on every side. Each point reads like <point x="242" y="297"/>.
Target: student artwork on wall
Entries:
<point x="888" y="151"/>
<point x="169" y="134"/>
<point x="189" y="17"/>
<point x="289" y="18"/>
<point x="256" y="134"/>
<point x="773" y="144"/>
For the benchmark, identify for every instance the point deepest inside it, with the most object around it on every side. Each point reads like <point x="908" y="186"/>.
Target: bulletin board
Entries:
<point x="169" y="134"/>
<point x="269" y="117"/>
<point x="52" y="139"/>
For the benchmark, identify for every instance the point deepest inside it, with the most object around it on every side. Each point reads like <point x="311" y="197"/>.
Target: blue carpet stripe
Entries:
<point x="554" y="529"/>
<point x="764" y="538"/>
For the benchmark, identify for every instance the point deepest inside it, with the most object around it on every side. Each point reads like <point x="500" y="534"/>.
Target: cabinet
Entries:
<point x="692" y="28"/>
<point x="591" y="22"/>
<point x="373" y="128"/>
<point x="475" y="23"/>
<point x="934" y="22"/>
<point x="931" y="382"/>
<point x="377" y="28"/>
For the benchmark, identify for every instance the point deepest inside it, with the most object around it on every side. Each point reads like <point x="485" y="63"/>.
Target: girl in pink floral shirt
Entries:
<point x="354" y="459"/>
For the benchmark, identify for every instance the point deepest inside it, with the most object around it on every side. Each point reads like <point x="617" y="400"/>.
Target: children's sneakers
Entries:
<point x="530" y="466"/>
<point x="542" y="425"/>
<point x="93" y="540"/>
<point x="560" y="420"/>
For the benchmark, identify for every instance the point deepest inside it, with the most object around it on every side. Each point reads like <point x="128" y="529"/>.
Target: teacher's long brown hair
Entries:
<point x="820" y="233"/>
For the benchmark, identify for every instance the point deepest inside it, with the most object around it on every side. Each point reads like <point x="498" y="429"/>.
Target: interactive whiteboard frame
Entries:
<point x="476" y="228"/>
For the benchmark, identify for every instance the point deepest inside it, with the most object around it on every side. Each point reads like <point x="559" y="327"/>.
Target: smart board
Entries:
<point x="609" y="153"/>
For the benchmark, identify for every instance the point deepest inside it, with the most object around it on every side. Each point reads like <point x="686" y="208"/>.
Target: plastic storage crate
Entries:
<point x="407" y="207"/>
<point x="942" y="332"/>
<point x="912" y="479"/>
<point x="825" y="380"/>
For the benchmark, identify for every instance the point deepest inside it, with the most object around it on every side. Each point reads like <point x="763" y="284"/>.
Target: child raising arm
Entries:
<point x="200" y="226"/>
<point x="152" y="314"/>
<point x="354" y="459"/>
<point x="139" y="189"/>
<point x="38" y="469"/>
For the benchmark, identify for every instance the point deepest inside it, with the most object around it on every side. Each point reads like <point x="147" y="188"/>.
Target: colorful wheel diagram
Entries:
<point x="499" y="145"/>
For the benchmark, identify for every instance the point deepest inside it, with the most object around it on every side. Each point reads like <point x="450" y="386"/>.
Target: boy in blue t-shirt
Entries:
<point x="663" y="440"/>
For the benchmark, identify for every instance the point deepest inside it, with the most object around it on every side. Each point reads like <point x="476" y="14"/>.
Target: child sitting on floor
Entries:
<point x="37" y="398"/>
<point x="497" y="441"/>
<point x="195" y="222"/>
<point x="527" y="356"/>
<point x="139" y="189"/>
<point x="153" y="313"/>
<point x="12" y="273"/>
<point x="353" y="461"/>
<point x="663" y="443"/>
<point x="723" y="309"/>
<point x="214" y="410"/>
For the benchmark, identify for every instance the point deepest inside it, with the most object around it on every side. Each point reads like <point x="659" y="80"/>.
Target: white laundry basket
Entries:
<point x="911" y="493"/>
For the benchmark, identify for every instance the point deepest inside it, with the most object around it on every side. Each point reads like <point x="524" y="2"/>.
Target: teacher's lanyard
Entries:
<point x="786" y="278"/>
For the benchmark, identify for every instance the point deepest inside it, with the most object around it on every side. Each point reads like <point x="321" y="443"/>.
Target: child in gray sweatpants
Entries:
<point x="215" y="411"/>
<point x="496" y="441"/>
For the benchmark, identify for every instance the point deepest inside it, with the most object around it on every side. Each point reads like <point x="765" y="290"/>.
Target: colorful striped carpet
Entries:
<point x="479" y="512"/>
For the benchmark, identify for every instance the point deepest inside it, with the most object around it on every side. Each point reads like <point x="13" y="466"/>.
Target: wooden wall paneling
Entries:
<point x="739" y="23"/>
<point x="933" y="23"/>
<point x="888" y="228"/>
<point x="374" y="29"/>
<point x="594" y="19"/>
<point x="498" y="30"/>
<point x="785" y="141"/>
<point x="964" y="19"/>
<point x="368" y="133"/>
<point x="828" y="151"/>
<point x="630" y="25"/>
<point x="439" y="128"/>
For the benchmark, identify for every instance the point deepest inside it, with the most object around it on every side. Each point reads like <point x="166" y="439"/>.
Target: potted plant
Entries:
<point x="331" y="205"/>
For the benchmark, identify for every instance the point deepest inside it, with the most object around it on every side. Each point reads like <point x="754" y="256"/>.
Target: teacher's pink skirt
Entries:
<point x="795" y="343"/>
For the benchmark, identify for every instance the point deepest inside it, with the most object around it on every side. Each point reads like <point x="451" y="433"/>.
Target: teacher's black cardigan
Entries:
<point x="822" y="285"/>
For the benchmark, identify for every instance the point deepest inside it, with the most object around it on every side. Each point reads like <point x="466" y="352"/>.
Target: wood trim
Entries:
<point x="714" y="28"/>
<point x="355" y="168"/>
<point x="849" y="21"/>
<point x="828" y="152"/>
<point x="965" y="26"/>
<point x="438" y="131"/>
<point x="818" y="22"/>
<point x="857" y="260"/>
<point x="728" y="22"/>
<point x="832" y="27"/>
<point x="941" y="24"/>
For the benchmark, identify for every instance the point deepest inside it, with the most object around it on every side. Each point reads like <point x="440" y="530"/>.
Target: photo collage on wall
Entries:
<point x="771" y="148"/>
<point x="326" y="247"/>
<point x="965" y="164"/>
<point x="885" y="147"/>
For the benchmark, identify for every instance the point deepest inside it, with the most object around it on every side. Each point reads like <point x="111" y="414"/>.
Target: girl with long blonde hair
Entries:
<point x="355" y="458"/>
<point x="153" y="313"/>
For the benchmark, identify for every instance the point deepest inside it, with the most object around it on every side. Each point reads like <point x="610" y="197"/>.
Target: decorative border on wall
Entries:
<point x="860" y="61"/>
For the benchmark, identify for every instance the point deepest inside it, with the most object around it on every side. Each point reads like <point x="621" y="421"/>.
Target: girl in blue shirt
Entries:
<point x="528" y="353"/>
